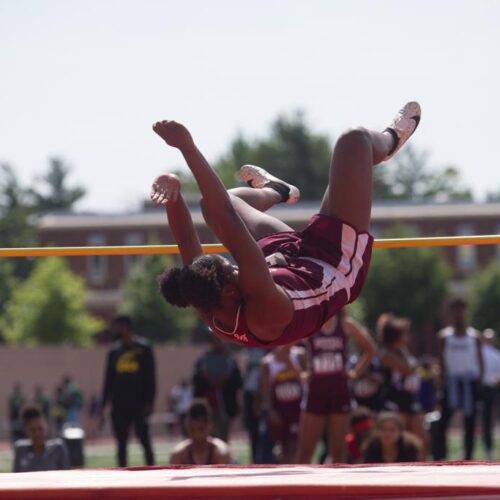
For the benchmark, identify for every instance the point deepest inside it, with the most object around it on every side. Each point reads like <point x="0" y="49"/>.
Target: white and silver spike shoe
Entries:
<point x="257" y="177"/>
<point x="403" y="126"/>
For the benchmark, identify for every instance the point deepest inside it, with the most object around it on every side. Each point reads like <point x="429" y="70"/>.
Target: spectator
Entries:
<point x="217" y="378"/>
<point x="401" y="382"/>
<point x="180" y="398"/>
<point x="15" y="403"/>
<point x="58" y="411"/>
<point x="428" y="373"/>
<point x="37" y="453"/>
<point x="390" y="443"/>
<point x="251" y="403"/>
<point x="73" y="401"/>
<point x="282" y="394"/>
<point x="41" y="400"/>
<point x="200" y="448"/>
<point x="328" y="400"/>
<point x="461" y="370"/>
<point x="367" y="388"/>
<point x="130" y="386"/>
<point x="362" y="425"/>
<point x="94" y="411"/>
<point x="491" y="359"/>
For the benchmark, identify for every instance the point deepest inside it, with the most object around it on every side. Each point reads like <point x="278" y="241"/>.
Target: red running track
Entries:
<point x="450" y="480"/>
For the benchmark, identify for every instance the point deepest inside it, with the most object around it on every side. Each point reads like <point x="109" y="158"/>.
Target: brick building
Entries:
<point x="105" y="275"/>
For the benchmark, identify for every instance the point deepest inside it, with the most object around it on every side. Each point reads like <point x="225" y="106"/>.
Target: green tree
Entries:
<point x="16" y="229"/>
<point x="152" y="316"/>
<point x="485" y="298"/>
<point x="49" y="307"/>
<point x="7" y="281"/>
<point x="409" y="282"/>
<point x="409" y="177"/>
<point x="54" y="193"/>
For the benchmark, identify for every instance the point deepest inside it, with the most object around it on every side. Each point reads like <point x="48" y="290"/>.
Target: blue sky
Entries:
<point x="85" y="80"/>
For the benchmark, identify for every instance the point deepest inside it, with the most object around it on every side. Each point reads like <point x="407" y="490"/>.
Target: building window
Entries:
<point x="97" y="265"/>
<point x="132" y="239"/>
<point x="466" y="254"/>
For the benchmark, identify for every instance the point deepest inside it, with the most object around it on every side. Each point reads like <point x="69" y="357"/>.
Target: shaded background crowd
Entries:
<point x="344" y="396"/>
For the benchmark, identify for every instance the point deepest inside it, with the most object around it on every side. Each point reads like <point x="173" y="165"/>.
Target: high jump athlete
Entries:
<point x="285" y="284"/>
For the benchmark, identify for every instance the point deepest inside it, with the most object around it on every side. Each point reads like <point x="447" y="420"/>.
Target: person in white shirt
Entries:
<point x="491" y="380"/>
<point x="462" y="371"/>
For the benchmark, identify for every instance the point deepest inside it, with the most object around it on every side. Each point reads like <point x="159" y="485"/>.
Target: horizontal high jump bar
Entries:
<point x="439" y="241"/>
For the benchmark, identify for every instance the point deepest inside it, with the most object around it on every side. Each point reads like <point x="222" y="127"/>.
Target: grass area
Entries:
<point x="102" y="455"/>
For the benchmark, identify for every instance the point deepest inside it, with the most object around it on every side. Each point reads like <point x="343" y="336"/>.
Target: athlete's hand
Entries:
<point x="165" y="188"/>
<point x="174" y="134"/>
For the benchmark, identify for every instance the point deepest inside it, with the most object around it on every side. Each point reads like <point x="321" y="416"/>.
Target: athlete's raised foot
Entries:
<point x="403" y="125"/>
<point x="257" y="177"/>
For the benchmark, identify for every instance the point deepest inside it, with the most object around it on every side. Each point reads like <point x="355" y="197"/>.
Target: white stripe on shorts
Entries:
<point x="335" y="279"/>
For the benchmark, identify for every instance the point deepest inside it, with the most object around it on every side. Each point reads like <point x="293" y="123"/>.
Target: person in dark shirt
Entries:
<point x="15" y="403"/>
<point x="217" y="378"/>
<point x="362" y="425"/>
<point x="130" y="387"/>
<point x="390" y="443"/>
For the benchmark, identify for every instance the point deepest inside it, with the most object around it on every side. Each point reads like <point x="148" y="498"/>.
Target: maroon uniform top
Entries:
<point x="321" y="269"/>
<point x="327" y="351"/>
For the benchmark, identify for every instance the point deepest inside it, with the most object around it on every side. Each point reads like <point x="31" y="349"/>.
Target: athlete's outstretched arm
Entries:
<point x="364" y="342"/>
<point x="254" y="278"/>
<point x="166" y="191"/>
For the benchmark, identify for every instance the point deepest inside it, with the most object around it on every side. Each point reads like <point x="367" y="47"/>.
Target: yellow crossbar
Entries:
<point x="217" y="248"/>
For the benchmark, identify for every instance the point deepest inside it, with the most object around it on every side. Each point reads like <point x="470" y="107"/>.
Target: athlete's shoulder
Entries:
<point x="181" y="447"/>
<point x="473" y="332"/>
<point x="267" y="359"/>
<point x="298" y="350"/>
<point x="221" y="447"/>
<point x="142" y="342"/>
<point x="445" y="332"/>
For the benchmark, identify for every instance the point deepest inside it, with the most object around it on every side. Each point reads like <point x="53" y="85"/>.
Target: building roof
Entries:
<point x="288" y="213"/>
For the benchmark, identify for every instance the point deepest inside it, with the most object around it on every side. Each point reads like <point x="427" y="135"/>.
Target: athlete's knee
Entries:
<point x="354" y="138"/>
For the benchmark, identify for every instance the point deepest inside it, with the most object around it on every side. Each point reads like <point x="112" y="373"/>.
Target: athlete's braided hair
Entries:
<point x="198" y="284"/>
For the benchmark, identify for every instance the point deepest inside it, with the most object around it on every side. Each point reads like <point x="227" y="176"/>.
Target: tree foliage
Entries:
<point x="485" y="298"/>
<point x="16" y="229"/>
<point x="409" y="177"/>
<point x="410" y="282"/>
<point x="49" y="307"/>
<point x="152" y="316"/>
<point x="54" y="193"/>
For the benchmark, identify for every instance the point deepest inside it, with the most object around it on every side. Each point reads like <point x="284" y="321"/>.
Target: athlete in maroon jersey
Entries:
<point x="286" y="284"/>
<point x="328" y="400"/>
<point x="281" y="396"/>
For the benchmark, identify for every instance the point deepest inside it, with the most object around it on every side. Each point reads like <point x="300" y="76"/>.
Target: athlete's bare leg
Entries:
<point x="251" y="205"/>
<point x="349" y="192"/>
<point x="414" y="423"/>
<point x="337" y="426"/>
<point x="310" y="432"/>
<point x="260" y="199"/>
